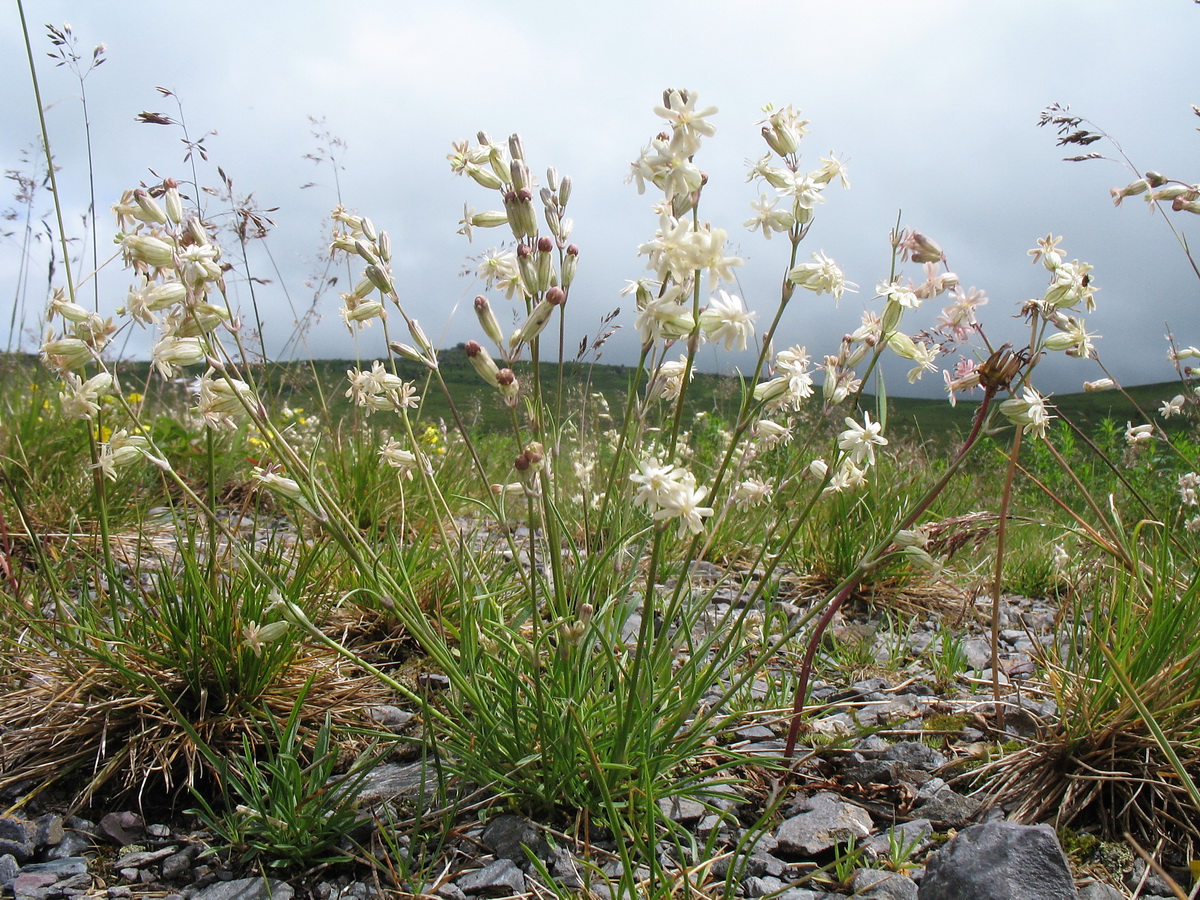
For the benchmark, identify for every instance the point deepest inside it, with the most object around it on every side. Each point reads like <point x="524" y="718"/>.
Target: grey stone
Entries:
<point x="8" y="871"/>
<point x="392" y="781"/>
<point x="59" y="868"/>
<point x="1098" y="890"/>
<point x="828" y="821"/>
<point x="756" y="886"/>
<point x="499" y="879"/>
<point x="507" y="836"/>
<point x="18" y="837"/>
<point x="876" y="884"/>
<point x="33" y="885"/>
<point x="74" y="843"/>
<point x="246" y="889"/>
<point x="451" y="891"/>
<point x="141" y="858"/>
<point x="949" y="809"/>
<point x="915" y="755"/>
<point x="122" y="828"/>
<point x="683" y="810"/>
<point x="393" y="718"/>
<point x="178" y="866"/>
<point x="999" y="861"/>
<point x="50" y="830"/>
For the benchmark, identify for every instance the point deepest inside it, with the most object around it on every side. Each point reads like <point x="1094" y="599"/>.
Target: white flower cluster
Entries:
<point x="670" y="492"/>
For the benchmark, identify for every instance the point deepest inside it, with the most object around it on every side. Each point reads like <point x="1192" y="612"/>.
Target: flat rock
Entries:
<point x="829" y="820"/>
<point x="999" y="861"/>
<point x="876" y="884"/>
<point x="507" y="836"/>
<point x="499" y="879"/>
<point x="949" y="809"/>
<point x="246" y="889"/>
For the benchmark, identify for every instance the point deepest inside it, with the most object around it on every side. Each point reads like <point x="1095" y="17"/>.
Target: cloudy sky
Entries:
<point x="934" y="106"/>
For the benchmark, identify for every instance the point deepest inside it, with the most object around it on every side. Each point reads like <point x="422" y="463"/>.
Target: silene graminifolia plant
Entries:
<point x="587" y="678"/>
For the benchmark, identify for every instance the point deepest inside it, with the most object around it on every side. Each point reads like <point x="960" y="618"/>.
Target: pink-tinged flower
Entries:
<point x="1029" y="410"/>
<point x="958" y="318"/>
<point x="859" y="441"/>
<point x="727" y="319"/>
<point x="965" y="378"/>
<point x="1140" y="186"/>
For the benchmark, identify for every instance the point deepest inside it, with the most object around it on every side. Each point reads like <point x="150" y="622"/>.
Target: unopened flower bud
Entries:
<point x="570" y="265"/>
<point x="366" y="251"/>
<point x="384" y="245"/>
<point x="519" y="176"/>
<point x="483" y="363"/>
<point x="543" y="265"/>
<point x="488" y="321"/>
<point x="535" y="452"/>
<point x="197" y="231"/>
<point x="923" y="250"/>
<point x="1102" y="384"/>
<point x="552" y="178"/>
<point x="173" y="201"/>
<point x="556" y="296"/>
<point x="518" y="206"/>
<point x="521" y="463"/>
<point x="1156" y="179"/>
<point x="418" y="335"/>
<point x="516" y="149"/>
<point x="536" y="323"/>
<point x="148" y="208"/>
<point x="379" y="278"/>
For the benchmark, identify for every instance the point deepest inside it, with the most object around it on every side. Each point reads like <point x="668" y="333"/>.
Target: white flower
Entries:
<point x="1172" y="407"/>
<point x="822" y="276"/>
<point x="654" y="480"/>
<point x="726" y="319"/>
<point x="222" y="403"/>
<point x="769" y="433"/>
<point x="82" y="398"/>
<point x="1138" y="434"/>
<point x="1071" y="284"/>
<point x="847" y="477"/>
<point x="751" y="492"/>
<point x="859" y="441"/>
<point x="769" y="217"/>
<point x="121" y="449"/>
<point x="1029" y="410"/>
<point x="393" y="454"/>
<point x="669" y="379"/>
<point x="171" y="351"/>
<point x="1188" y="486"/>
<point x="683" y="502"/>
<point x="893" y="292"/>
